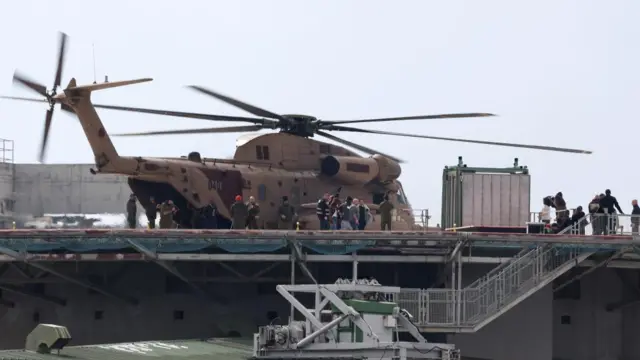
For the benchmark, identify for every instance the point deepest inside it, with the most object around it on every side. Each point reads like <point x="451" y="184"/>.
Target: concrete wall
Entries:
<point x="593" y="332"/>
<point x="234" y="307"/>
<point x="68" y="189"/>
<point x="6" y="188"/>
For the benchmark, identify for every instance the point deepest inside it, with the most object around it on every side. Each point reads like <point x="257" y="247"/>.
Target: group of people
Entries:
<point x="352" y="214"/>
<point x="247" y="215"/>
<point x="601" y="205"/>
<point x="333" y="214"/>
<point x="171" y="217"/>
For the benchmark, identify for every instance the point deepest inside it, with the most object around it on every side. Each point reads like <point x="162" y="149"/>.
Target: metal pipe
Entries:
<point x="307" y="340"/>
<point x="292" y="310"/>
<point x="355" y="267"/>
<point x="459" y="290"/>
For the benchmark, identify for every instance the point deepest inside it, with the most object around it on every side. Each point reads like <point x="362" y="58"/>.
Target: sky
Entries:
<point x="557" y="73"/>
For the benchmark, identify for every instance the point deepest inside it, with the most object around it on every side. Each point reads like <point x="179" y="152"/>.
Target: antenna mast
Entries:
<point x="93" y="49"/>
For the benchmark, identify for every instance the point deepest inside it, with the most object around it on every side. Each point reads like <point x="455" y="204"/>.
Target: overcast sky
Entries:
<point x="561" y="73"/>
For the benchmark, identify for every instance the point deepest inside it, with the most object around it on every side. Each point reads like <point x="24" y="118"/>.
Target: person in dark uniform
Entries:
<point x="132" y="212"/>
<point x="210" y="216"/>
<point x="635" y="217"/>
<point x="239" y="212"/>
<point x="577" y="220"/>
<point x="385" y="209"/>
<point x="609" y="204"/>
<point x="322" y="211"/>
<point x="151" y="211"/>
<point x="286" y="213"/>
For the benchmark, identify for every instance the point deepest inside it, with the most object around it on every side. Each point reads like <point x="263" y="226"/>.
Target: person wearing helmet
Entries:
<point x="239" y="213"/>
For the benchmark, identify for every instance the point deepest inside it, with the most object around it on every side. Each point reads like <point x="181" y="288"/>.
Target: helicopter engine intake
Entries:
<point x="357" y="170"/>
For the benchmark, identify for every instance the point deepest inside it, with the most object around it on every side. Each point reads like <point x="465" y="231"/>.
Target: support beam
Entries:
<point x="599" y="264"/>
<point x="168" y="267"/>
<point x="258" y="274"/>
<point x="47" y="298"/>
<point x="24" y="272"/>
<point x="70" y="279"/>
<point x="232" y="270"/>
<point x="299" y="258"/>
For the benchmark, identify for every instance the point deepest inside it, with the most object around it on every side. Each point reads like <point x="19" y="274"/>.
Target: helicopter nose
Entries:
<point x="60" y="97"/>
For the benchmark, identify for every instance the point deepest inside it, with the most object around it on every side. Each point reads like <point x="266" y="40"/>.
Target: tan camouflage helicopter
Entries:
<point x="267" y="166"/>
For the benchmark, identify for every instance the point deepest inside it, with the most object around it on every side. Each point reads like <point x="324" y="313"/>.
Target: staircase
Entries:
<point x="471" y="308"/>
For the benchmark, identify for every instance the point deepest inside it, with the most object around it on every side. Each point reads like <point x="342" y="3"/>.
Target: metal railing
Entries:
<point x="485" y="298"/>
<point x="6" y="151"/>
<point x="605" y="224"/>
<point x="535" y="216"/>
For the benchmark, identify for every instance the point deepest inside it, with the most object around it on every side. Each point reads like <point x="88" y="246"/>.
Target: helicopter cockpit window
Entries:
<point x="262" y="192"/>
<point x="402" y="197"/>
<point x="262" y="152"/>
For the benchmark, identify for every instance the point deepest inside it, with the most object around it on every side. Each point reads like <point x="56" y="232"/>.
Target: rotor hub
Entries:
<point x="301" y="125"/>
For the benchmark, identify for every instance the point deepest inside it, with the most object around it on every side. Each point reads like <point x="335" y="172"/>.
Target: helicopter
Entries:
<point x="267" y="166"/>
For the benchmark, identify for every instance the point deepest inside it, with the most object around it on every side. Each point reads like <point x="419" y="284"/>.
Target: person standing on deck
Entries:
<point x="132" y="212"/>
<point x="596" y="219"/>
<point x="322" y="211"/>
<point x="635" y="217"/>
<point x="151" y="211"/>
<point x="609" y="204"/>
<point x="253" y="211"/>
<point x="385" y="209"/>
<point x="347" y="214"/>
<point x="286" y="213"/>
<point x="239" y="212"/>
<point x="334" y="208"/>
<point x="166" y="214"/>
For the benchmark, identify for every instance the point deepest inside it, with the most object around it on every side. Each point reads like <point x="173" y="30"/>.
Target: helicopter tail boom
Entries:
<point x="105" y="85"/>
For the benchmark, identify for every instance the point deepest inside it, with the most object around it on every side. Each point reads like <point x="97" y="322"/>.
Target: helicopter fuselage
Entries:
<point x="267" y="167"/>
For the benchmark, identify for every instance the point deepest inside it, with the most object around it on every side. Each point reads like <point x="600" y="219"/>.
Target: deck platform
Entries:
<point x="273" y="245"/>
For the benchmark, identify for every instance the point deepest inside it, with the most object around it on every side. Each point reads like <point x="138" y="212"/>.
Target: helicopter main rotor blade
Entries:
<point x="61" y="53"/>
<point x="419" y="117"/>
<point x="189" y="115"/>
<point x="45" y="134"/>
<point x="364" y="149"/>
<point x="241" y="105"/>
<point x="24" y="81"/>
<point x="63" y="106"/>
<point x="536" y="147"/>
<point x="230" y="129"/>
<point x="23" y="99"/>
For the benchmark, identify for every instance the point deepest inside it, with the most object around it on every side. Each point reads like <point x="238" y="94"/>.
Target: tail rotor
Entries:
<point x="42" y="91"/>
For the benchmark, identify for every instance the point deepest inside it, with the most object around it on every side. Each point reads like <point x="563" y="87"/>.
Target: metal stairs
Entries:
<point x="469" y="309"/>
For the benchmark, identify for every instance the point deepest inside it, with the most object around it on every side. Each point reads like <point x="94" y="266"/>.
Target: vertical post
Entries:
<point x="293" y="281"/>
<point x="355" y="267"/>
<point x="452" y="298"/>
<point x="459" y="292"/>
<point x="318" y="300"/>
